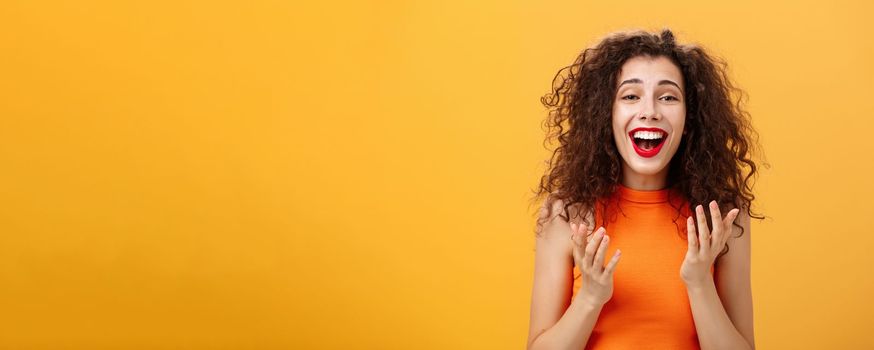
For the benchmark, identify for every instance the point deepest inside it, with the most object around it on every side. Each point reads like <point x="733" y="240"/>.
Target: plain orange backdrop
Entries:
<point x="326" y="175"/>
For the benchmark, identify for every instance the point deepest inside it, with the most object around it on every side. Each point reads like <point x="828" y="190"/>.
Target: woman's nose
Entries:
<point x="653" y="116"/>
<point x="648" y="111"/>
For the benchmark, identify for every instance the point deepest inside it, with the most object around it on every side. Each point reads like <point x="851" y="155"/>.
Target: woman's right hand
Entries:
<point x="597" y="281"/>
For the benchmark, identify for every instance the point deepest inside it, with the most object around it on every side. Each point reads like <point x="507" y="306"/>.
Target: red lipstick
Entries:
<point x="651" y="152"/>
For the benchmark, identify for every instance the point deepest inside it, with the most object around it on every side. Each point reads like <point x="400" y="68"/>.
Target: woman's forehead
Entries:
<point x="646" y="68"/>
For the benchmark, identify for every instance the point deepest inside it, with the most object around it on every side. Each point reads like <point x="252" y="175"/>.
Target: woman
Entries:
<point x="648" y="133"/>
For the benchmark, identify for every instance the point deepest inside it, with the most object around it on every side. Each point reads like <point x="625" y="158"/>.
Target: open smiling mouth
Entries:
<point x="647" y="142"/>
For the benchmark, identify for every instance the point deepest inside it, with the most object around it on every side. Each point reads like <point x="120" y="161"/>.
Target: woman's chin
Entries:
<point x="650" y="166"/>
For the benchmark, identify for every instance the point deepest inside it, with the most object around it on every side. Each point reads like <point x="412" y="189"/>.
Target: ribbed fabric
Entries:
<point x="649" y="308"/>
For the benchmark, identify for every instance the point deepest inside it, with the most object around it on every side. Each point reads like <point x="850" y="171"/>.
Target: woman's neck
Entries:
<point x="644" y="182"/>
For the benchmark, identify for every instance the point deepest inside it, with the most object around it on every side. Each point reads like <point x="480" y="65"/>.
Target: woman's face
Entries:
<point x="649" y="112"/>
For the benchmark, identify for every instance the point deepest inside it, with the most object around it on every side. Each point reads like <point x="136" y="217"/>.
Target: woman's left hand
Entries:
<point x="702" y="247"/>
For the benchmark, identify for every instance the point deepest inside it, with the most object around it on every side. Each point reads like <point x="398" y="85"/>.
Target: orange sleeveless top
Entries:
<point x="649" y="308"/>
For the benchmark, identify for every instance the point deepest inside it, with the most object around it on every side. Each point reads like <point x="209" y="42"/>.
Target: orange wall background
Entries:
<point x="267" y="174"/>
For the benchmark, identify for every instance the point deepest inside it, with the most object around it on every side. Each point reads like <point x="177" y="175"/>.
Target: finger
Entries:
<point x="703" y="230"/>
<point x="581" y="231"/>
<point x="577" y="249"/>
<point x="598" y="264"/>
<point x="574" y="235"/>
<point x="582" y="226"/>
<point x="592" y="246"/>
<point x="715" y="214"/>
<point x="578" y="257"/>
<point x="718" y="228"/>
<point x="613" y="261"/>
<point x="579" y="241"/>
<point x="691" y="236"/>
<point x="729" y="220"/>
<point x="578" y="235"/>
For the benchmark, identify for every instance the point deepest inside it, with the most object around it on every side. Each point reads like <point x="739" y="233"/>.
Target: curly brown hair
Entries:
<point x="586" y="165"/>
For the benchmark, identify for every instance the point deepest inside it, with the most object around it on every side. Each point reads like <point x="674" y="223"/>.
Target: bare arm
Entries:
<point x="723" y="309"/>
<point x="572" y="331"/>
<point x="557" y="322"/>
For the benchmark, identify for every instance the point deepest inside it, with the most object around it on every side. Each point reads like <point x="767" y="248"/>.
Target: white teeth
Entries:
<point x="648" y="135"/>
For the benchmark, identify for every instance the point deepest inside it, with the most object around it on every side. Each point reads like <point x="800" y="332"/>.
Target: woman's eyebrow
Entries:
<point x="638" y="81"/>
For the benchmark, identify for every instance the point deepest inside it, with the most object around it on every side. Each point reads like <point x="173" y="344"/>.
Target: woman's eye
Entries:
<point x="626" y="97"/>
<point x="672" y="97"/>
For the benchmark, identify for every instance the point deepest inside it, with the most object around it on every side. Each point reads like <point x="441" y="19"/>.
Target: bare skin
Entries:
<point x="721" y="305"/>
<point x="557" y="322"/>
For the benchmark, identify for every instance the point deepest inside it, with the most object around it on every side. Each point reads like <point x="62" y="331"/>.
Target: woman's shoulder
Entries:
<point x="554" y="210"/>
